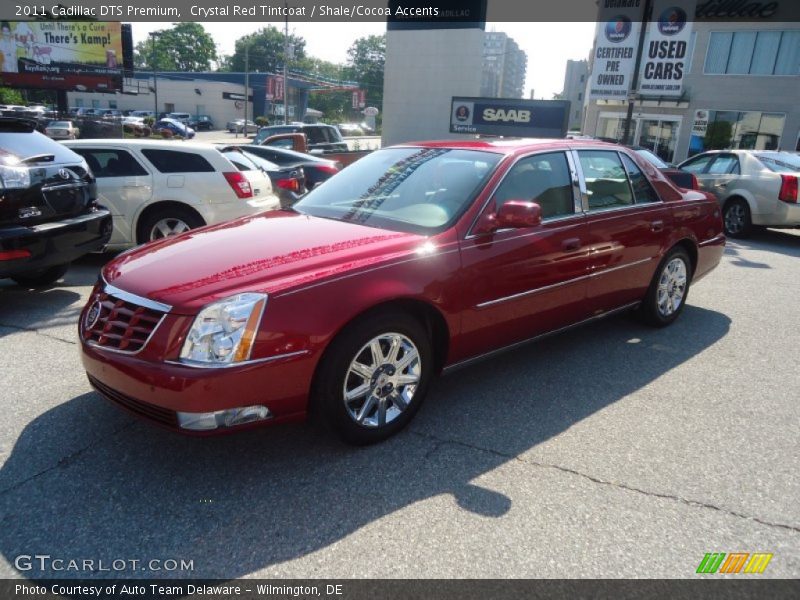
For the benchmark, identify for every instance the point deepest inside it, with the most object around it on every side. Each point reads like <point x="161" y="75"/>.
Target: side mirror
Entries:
<point x="513" y="214"/>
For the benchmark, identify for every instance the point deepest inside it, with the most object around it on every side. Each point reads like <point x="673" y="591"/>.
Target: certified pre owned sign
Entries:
<point x="495" y="116"/>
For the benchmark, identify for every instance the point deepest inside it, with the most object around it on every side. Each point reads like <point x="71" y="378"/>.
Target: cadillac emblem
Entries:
<point x="63" y="173"/>
<point x="93" y="315"/>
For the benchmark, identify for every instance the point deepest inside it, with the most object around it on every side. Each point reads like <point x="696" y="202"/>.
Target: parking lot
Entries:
<point x="614" y="450"/>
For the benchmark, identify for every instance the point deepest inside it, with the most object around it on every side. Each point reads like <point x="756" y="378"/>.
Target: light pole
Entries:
<point x="155" y="76"/>
<point x="285" y="61"/>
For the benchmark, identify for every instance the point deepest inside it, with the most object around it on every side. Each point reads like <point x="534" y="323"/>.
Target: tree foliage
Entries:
<point x="10" y="96"/>
<point x="185" y="46"/>
<point x="366" y="60"/>
<point x="266" y="51"/>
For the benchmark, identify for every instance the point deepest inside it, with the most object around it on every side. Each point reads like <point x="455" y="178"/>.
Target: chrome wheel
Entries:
<point x="167" y="227"/>
<point x="382" y="379"/>
<point x="671" y="287"/>
<point x="735" y="218"/>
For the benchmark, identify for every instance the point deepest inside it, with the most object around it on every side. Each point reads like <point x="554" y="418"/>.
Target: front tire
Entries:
<point x="42" y="277"/>
<point x="167" y="222"/>
<point x="374" y="377"/>
<point x="667" y="293"/>
<point x="737" y="219"/>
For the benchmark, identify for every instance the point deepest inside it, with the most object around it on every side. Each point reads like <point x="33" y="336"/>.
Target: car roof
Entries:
<point x="513" y="146"/>
<point x="160" y="144"/>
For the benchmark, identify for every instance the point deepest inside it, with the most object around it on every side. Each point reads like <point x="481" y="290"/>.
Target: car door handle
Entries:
<point x="657" y="226"/>
<point x="721" y="185"/>
<point x="571" y="244"/>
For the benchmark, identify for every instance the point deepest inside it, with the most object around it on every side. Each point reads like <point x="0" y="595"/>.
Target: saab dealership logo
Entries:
<point x="672" y="21"/>
<point x="93" y="315"/>
<point x="618" y="29"/>
<point x="462" y="113"/>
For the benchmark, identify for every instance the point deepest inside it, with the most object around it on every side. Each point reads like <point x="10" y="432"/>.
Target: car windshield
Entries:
<point x="63" y="124"/>
<point x="652" y="158"/>
<point x="780" y="163"/>
<point x="418" y="190"/>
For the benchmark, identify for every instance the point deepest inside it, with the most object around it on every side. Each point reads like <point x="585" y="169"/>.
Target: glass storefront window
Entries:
<point x="747" y="130"/>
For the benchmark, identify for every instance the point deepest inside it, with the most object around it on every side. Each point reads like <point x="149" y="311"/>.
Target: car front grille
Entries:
<point x="143" y="409"/>
<point x="119" y="325"/>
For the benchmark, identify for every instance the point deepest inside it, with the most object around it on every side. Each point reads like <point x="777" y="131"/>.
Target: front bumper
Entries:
<point x="55" y="243"/>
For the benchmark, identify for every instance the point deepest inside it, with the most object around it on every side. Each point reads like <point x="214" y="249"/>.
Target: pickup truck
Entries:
<point x="299" y="143"/>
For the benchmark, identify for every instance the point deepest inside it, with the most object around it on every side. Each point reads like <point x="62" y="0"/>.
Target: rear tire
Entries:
<point x="737" y="219"/>
<point x="42" y="277"/>
<point x="166" y="222"/>
<point x="374" y="377"/>
<point x="667" y="293"/>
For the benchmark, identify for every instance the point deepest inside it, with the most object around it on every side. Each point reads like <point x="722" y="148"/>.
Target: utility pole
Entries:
<point x="285" y="61"/>
<point x="155" y="76"/>
<point x="246" y="87"/>
<point x="648" y="8"/>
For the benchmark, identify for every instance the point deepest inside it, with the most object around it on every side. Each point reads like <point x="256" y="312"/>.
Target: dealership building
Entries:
<point x="737" y="86"/>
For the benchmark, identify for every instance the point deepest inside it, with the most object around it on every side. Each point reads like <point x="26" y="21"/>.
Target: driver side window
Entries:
<point x="544" y="179"/>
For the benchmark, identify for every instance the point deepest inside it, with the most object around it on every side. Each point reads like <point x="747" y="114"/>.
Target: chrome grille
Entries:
<point x="118" y="324"/>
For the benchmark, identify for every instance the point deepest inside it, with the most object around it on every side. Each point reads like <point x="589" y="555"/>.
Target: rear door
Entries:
<point x="721" y="175"/>
<point x="522" y="282"/>
<point x="124" y="185"/>
<point x="627" y="225"/>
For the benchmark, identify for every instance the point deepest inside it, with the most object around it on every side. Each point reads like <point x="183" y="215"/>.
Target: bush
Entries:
<point x="262" y="121"/>
<point x="149" y="121"/>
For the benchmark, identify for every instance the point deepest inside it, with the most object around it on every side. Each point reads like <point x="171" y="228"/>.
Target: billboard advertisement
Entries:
<point x="666" y="50"/>
<point x="71" y="55"/>
<point x="509" y="117"/>
<point x="616" y="40"/>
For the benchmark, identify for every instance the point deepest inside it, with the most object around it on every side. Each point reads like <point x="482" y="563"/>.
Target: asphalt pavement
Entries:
<point x="614" y="450"/>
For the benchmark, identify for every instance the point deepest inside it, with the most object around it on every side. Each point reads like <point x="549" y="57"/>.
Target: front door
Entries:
<point x="659" y="136"/>
<point x="522" y="282"/>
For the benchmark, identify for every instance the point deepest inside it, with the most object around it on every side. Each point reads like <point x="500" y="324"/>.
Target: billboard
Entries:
<point x="666" y="51"/>
<point x="509" y="117"/>
<point x="616" y="40"/>
<point x="71" y="55"/>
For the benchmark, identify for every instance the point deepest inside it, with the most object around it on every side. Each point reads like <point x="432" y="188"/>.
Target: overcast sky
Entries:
<point x="549" y="45"/>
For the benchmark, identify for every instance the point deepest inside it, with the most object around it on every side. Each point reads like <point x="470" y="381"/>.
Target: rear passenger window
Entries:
<point x="642" y="190"/>
<point x="175" y="161"/>
<point x="697" y="165"/>
<point x="544" y="179"/>
<point x="316" y="135"/>
<point x="606" y="180"/>
<point x="111" y="163"/>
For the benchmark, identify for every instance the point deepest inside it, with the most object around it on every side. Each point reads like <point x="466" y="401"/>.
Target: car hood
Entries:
<point x="270" y="252"/>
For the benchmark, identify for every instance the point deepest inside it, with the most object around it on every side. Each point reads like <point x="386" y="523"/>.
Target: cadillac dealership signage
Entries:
<point x="666" y="50"/>
<point x="616" y="40"/>
<point x="510" y="117"/>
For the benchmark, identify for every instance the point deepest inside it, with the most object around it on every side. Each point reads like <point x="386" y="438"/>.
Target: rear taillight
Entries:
<point x="329" y="169"/>
<point x="695" y="183"/>
<point x="14" y="254"/>
<point x="290" y="184"/>
<point x="239" y="184"/>
<point x="788" y="191"/>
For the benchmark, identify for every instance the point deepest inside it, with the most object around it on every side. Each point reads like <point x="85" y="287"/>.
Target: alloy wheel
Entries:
<point x="167" y="227"/>
<point x="671" y="287"/>
<point x="735" y="218"/>
<point x="381" y="380"/>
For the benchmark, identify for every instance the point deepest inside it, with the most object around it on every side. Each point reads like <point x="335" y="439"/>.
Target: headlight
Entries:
<point x="224" y="332"/>
<point x="15" y="177"/>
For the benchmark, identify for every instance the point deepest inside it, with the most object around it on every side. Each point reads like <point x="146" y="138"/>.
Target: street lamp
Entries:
<point x="153" y="35"/>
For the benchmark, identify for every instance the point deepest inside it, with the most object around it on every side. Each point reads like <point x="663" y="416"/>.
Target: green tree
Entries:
<point x="266" y="51"/>
<point x="184" y="47"/>
<point x="366" y="59"/>
<point x="10" y="96"/>
<point x="718" y="135"/>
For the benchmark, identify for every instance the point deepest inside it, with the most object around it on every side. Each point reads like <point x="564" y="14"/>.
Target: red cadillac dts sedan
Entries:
<point x="414" y="260"/>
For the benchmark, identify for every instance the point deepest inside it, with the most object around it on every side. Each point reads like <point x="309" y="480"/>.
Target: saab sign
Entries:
<point x="509" y="117"/>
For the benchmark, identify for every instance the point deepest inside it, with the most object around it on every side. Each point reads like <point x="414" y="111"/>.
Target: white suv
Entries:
<point x="159" y="188"/>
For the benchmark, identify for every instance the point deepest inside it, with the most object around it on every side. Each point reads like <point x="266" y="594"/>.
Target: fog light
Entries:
<point x="223" y="418"/>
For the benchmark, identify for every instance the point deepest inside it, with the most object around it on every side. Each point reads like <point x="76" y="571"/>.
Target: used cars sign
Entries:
<point x="504" y="116"/>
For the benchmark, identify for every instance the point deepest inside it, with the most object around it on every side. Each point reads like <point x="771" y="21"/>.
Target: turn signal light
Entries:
<point x="239" y="184"/>
<point x="788" y="191"/>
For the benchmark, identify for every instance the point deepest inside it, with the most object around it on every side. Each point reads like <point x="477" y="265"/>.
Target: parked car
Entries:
<point x="414" y="260"/>
<point x="350" y="129"/>
<point x="682" y="179"/>
<point x="174" y="127"/>
<point x="62" y="130"/>
<point x="320" y="137"/>
<point x="142" y="113"/>
<point x="201" y="123"/>
<point x="287" y="182"/>
<point x="48" y="210"/>
<point x="158" y="188"/>
<point x="756" y="188"/>
<point x="238" y="126"/>
<point x="183" y="117"/>
<point x="315" y="168"/>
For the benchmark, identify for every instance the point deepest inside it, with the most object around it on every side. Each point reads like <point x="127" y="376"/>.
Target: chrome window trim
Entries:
<point x="470" y="235"/>
<point x="553" y="286"/>
<point x="244" y="363"/>
<point x="134" y="299"/>
<point x="630" y="181"/>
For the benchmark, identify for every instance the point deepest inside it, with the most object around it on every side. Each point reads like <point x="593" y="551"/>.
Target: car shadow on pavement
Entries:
<point x="86" y="481"/>
<point x="770" y="240"/>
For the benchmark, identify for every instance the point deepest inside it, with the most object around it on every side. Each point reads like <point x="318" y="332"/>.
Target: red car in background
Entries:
<point x="415" y="260"/>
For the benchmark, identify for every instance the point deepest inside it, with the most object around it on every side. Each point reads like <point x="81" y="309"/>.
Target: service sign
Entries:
<point x="616" y="40"/>
<point x="666" y="50"/>
<point x="510" y="117"/>
<point x="71" y="55"/>
<point x="700" y="122"/>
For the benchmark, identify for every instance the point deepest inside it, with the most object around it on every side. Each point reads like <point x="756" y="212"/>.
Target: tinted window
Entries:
<point x="642" y="190"/>
<point x="544" y="179"/>
<point x="111" y="163"/>
<point x="316" y="135"/>
<point x="724" y="164"/>
<point x="406" y="189"/>
<point x="174" y="161"/>
<point x="606" y="180"/>
<point x="240" y="161"/>
<point x="697" y="165"/>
